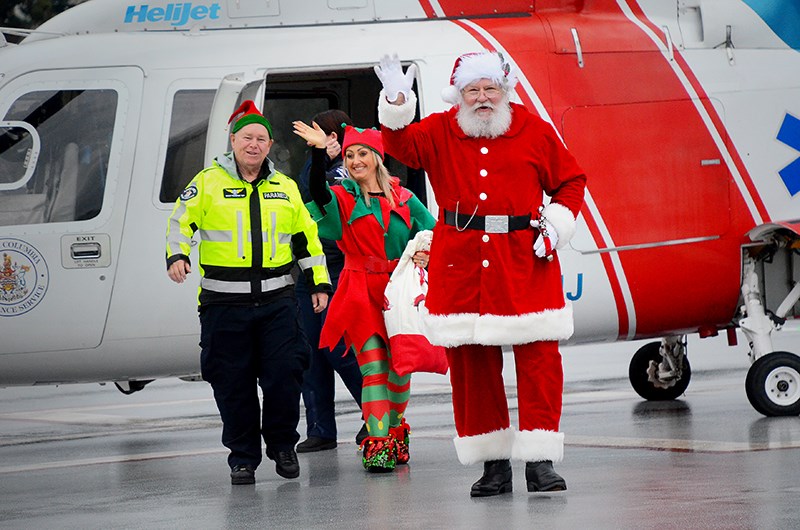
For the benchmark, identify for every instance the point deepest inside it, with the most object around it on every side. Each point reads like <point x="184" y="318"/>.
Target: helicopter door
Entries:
<point x="66" y="148"/>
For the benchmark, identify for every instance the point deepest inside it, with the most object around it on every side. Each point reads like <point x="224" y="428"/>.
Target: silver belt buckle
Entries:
<point x="496" y="224"/>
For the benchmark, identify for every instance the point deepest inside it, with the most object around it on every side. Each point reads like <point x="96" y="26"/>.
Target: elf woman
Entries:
<point x="372" y="218"/>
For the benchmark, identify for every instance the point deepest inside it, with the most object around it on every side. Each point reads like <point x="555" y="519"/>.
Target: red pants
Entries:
<point x="480" y="405"/>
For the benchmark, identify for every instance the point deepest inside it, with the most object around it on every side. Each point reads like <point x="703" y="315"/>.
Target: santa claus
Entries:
<point x="495" y="277"/>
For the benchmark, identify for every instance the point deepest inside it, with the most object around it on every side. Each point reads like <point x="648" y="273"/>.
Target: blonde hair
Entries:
<point x="384" y="181"/>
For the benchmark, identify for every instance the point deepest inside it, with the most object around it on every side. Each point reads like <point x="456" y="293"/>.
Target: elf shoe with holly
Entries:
<point x="378" y="454"/>
<point x="400" y="435"/>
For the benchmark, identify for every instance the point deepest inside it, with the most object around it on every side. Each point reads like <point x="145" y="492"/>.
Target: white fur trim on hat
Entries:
<point x="562" y="220"/>
<point x="457" y="329"/>
<point x="452" y="95"/>
<point x="484" y="65"/>
<point x="538" y="445"/>
<point x="396" y="116"/>
<point x="496" y="445"/>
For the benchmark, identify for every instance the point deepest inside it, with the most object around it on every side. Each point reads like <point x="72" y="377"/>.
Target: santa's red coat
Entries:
<point x="490" y="288"/>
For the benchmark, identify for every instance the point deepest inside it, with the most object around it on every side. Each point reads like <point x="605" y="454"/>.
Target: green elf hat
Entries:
<point x="246" y="114"/>
<point x="367" y="137"/>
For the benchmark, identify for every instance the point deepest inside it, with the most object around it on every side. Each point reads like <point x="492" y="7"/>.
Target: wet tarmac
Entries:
<point x="86" y="456"/>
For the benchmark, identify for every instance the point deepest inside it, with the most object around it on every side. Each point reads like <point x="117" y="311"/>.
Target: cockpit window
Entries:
<point x="74" y="128"/>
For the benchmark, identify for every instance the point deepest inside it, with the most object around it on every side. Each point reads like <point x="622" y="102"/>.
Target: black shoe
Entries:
<point x="542" y="477"/>
<point x="362" y="434"/>
<point x="243" y="474"/>
<point x="286" y="464"/>
<point x="496" y="479"/>
<point x="314" y="444"/>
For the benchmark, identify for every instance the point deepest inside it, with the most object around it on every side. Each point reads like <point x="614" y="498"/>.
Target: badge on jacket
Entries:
<point x="189" y="193"/>
<point x="234" y="193"/>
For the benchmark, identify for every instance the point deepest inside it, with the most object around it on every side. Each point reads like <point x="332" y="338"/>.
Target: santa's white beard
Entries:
<point x="492" y="127"/>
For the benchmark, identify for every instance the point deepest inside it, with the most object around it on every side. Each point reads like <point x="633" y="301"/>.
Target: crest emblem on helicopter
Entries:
<point x="23" y="277"/>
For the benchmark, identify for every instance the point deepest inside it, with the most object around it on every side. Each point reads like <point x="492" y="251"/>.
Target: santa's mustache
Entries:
<point x="485" y="105"/>
<point x="489" y="124"/>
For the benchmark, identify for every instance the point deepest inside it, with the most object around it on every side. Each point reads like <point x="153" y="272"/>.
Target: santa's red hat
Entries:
<point x="472" y="67"/>
<point x="370" y="138"/>
<point x="246" y="114"/>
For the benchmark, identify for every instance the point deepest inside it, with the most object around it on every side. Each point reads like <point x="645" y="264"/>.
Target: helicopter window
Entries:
<point x="187" y="141"/>
<point x="75" y="130"/>
<point x="289" y="152"/>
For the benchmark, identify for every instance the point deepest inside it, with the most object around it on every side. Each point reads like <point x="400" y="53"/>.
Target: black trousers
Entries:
<point x="319" y="384"/>
<point x="244" y="347"/>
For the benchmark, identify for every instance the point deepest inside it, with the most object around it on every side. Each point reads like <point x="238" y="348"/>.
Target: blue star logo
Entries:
<point x="790" y="135"/>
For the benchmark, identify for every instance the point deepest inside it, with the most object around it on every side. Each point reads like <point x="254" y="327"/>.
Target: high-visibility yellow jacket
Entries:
<point x="250" y="235"/>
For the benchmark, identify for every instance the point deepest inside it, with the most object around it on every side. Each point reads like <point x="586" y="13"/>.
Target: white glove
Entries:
<point x="548" y="239"/>
<point x="394" y="81"/>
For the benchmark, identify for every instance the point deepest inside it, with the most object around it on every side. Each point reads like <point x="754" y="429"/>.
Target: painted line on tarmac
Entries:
<point x="153" y="426"/>
<point x="660" y="444"/>
<point x="108" y="460"/>
<point x="671" y="444"/>
<point x="49" y="414"/>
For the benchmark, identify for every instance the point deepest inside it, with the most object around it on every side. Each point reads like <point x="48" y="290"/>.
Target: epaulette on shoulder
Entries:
<point x="208" y="169"/>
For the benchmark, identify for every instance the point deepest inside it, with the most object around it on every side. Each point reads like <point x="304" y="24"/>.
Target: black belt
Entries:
<point x="491" y="224"/>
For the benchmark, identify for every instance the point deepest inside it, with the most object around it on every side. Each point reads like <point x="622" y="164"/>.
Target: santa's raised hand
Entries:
<point x="394" y="81"/>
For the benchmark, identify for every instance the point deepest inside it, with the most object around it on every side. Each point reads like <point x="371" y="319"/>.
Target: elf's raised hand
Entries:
<point x="314" y="136"/>
<point x="394" y="81"/>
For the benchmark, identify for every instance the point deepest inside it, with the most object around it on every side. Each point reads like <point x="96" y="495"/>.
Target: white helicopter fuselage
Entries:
<point x="684" y="122"/>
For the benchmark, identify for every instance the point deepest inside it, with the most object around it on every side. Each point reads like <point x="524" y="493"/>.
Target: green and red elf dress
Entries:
<point x="372" y="238"/>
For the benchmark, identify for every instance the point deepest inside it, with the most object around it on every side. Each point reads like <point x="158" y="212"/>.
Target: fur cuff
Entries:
<point x="451" y="330"/>
<point x="564" y="222"/>
<point x="538" y="445"/>
<point x="396" y="116"/>
<point x="496" y="445"/>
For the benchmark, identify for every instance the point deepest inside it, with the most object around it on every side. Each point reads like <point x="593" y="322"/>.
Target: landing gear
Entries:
<point x="660" y="371"/>
<point x="773" y="380"/>
<point x="773" y="384"/>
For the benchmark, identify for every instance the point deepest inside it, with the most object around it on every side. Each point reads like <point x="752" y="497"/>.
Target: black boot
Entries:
<point x="496" y="479"/>
<point x="362" y="434"/>
<point x="315" y="443"/>
<point x="286" y="464"/>
<point x="243" y="474"/>
<point x="542" y="477"/>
